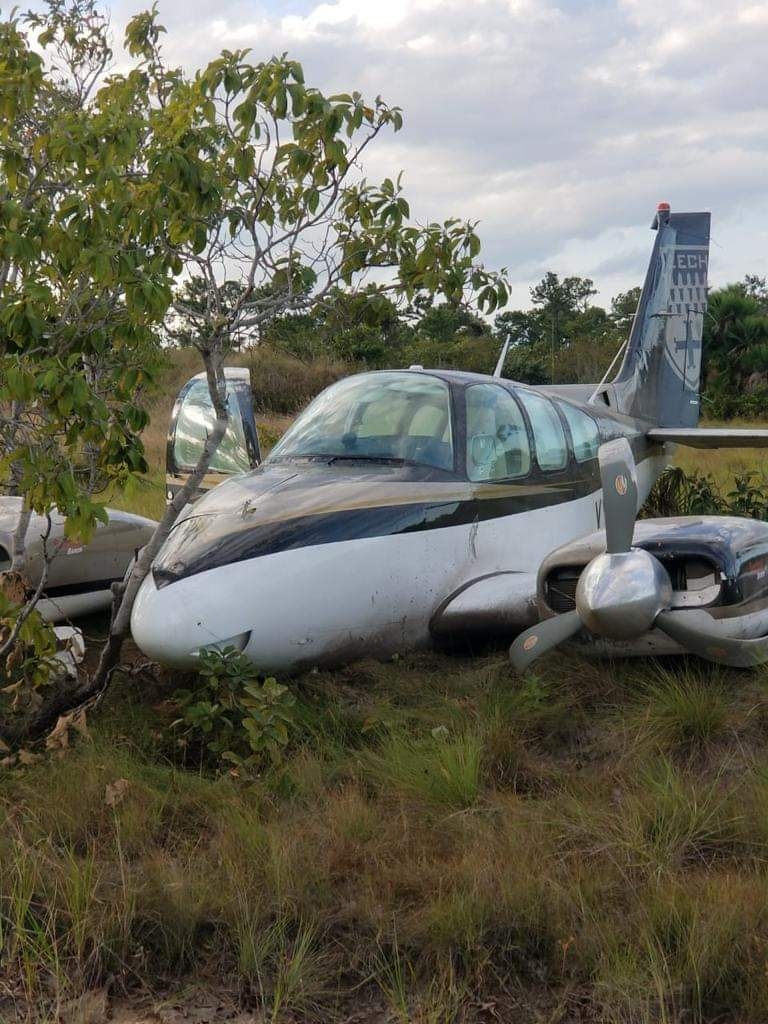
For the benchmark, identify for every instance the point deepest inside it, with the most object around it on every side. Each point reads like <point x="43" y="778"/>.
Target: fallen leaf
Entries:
<point x="14" y="586"/>
<point x="115" y="792"/>
<point x="80" y="723"/>
<point x="15" y="659"/>
<point x="58" y="737"/>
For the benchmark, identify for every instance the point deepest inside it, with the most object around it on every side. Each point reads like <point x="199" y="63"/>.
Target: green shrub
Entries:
<point x="232" y="714"/>
<point x="678" y="493"/>
<point x="723" y="401"/>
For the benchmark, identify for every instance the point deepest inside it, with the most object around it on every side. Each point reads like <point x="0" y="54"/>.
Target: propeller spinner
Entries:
<point x="625" y="591"/>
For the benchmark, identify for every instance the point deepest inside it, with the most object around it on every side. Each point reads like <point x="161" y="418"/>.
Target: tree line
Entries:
<point x="562" y="337"/>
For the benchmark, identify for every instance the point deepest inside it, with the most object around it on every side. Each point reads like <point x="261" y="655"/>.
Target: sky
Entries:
<point x="557" y="125"/>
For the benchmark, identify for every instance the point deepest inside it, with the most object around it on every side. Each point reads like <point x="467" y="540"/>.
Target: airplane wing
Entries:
<point x="497" y="602"/>
<point x="710" y="437"/>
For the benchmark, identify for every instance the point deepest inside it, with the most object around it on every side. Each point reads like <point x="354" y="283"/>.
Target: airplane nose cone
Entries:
<point x="160" y="628"/>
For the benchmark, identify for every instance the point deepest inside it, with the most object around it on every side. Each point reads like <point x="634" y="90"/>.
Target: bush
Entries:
<point x="234" y="716"/>
<point x="682" y="712"/>
<point x="677" y="493"/>
<point x="723" y="401"/>
<point x="284" y="384"/>
<point x="439" y="770"/>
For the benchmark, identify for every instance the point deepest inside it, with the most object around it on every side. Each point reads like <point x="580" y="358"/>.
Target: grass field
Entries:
<point x="442" y="842"/>
<point x="726" y="463"/>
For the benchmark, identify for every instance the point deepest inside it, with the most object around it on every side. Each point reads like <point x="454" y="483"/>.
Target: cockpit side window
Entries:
<point x="377" y="416"/>
<point x="548" y="433"/>
<point x="497" y="441"/>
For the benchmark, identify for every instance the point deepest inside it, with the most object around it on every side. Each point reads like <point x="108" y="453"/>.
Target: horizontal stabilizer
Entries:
<point x="710" y="437"/>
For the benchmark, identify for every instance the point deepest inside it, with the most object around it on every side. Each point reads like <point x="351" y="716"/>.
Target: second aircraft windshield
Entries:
<point x="380" y="416"/>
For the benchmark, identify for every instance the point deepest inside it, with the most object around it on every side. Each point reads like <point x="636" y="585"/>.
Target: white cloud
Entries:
<point x="558" y="123"/>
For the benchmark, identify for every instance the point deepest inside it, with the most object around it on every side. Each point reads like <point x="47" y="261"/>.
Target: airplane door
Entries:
<point x="193" y="419"/>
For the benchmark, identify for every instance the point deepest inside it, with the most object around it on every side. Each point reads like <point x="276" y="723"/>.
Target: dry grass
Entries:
<point x="724" y="464"/>
<point x="440" y="838"/>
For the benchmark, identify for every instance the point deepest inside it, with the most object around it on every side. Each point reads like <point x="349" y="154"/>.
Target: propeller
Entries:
<point x="624" y="592"/>
<point x="725" y="641"/>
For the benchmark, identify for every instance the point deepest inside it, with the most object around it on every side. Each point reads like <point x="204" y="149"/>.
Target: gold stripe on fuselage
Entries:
<point x="295" y="498"/>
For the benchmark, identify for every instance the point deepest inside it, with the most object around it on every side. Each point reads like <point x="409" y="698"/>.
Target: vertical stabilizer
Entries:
<point x="659" y="379"/>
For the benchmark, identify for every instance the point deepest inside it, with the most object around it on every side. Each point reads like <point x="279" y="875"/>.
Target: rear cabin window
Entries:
<point x="497" y="441"/>
<point x="584" y="432"/>
<point x="548" y="433"/>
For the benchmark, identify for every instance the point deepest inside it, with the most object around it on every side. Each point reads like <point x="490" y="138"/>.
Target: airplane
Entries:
<point x="405" y="508"/>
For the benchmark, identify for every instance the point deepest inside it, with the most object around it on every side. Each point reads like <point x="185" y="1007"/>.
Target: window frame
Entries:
<point x="512" y="395"/>
<point x="566" y="468"/>
<point x="561" y="405"/>
<point x="455" y="424"/>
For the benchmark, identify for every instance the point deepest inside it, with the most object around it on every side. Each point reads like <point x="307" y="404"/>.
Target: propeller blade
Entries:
<point x="542" y="638"/>
<point x="619" y="482"/>
<point x="725" y="641"/>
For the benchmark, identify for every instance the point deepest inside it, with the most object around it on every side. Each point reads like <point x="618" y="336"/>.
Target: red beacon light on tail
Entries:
<point x="662" y="215"/>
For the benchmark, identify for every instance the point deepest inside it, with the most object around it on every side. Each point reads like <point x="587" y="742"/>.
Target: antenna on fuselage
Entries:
<point x="502" y="356"/>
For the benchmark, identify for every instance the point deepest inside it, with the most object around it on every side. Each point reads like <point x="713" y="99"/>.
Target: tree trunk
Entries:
<point x="124" y="593"/>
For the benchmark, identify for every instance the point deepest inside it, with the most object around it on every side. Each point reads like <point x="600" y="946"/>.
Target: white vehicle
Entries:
<point x="79" y="576"/>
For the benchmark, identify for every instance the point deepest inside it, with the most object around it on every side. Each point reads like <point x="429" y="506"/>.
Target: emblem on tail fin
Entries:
<point x="660" y="377"/>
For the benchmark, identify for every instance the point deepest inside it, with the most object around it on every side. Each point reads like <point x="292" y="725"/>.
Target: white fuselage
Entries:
<point x="333" y="602"/>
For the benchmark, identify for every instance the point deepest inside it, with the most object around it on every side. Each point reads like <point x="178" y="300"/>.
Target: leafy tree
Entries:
<point x="592" y="340"/>
<point x="623" y="309"/>
<point x="192" y="325"/>
<point x="735" y="352"/>
<point x="82" y="283"/>
<point x="364" y="328"/>
<point x="449" y="335"/>
<point x="84" y="275"/>
<point x="555" y="301"/>
<point x="446" y="320"/>
<point x="564" y="338"/>
<point x="520" y="325"/>
<point x="564" y="296"/>
<point x="112" y="188"/>
<point x="755" y="288"/>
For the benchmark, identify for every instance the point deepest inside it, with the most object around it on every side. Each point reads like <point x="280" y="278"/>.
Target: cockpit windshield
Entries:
<point x="378" y="417"/>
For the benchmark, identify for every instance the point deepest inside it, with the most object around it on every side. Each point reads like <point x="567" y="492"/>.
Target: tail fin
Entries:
<point x="660" y="377"/>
